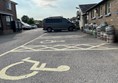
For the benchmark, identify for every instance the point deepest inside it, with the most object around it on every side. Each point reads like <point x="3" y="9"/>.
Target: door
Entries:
<point x="65" y="24"/>
<point x="56" y="24"/>
<point x="1" y="25"/>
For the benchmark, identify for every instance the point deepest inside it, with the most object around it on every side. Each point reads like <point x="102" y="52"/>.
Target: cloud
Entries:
<point x="45" y="3"/>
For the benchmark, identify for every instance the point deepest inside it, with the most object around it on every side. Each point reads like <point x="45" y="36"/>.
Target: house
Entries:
<point x="81" y="14"/>
<point x="7" y="14"/>
<point x="105" y="11"/>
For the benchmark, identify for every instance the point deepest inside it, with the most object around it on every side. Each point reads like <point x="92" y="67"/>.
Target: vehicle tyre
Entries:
<point x="49" y="29"/>
<point x="70" y="28"/>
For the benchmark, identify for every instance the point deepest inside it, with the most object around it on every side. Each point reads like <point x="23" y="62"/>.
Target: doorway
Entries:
<point x="1" y="24"/>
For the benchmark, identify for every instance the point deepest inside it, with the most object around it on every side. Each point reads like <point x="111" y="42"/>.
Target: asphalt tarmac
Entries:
<point x="36" y="56"/>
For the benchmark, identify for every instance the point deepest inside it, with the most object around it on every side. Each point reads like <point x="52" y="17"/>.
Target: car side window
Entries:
<point x="53" y="20"/>
<point x="66" y="21"/>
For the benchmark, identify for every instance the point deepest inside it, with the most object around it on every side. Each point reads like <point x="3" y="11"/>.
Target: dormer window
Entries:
<point x="8" y="5"/>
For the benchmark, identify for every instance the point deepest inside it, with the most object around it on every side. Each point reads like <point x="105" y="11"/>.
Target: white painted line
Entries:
<point x="97" y="46"/>
<point x="52" y="41"/>
<point x="34" y="39"/>
<point x="33" y="46"/>
<point x="35" y="69"/>
<point x="67" y="50"/>
<point x="71" y="36"/>
<point x="21" y="45"/>
<point x="63" y="47"/>
<point x="25" y="47"/>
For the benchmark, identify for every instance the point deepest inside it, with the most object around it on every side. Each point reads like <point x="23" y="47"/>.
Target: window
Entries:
<point x="107" y="8"/>
<point x="53" y="20"/>
<point x="11" y="18"/>
<point x="93" y="14"/>
<point x="99" y="10"/>
<point x="8" y="5"/>
<point x="8" y="20"/>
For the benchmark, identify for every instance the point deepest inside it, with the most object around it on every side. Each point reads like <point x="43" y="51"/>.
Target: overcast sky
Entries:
<point x="39" y="9"/>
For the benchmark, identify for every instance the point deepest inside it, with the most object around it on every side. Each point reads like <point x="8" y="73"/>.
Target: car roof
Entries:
<point x="55" y="17"/>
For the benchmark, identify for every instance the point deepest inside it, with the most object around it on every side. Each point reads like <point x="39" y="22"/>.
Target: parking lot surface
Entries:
<point x="61" y="57"/>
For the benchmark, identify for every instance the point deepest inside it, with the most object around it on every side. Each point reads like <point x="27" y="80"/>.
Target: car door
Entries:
<point x="65" y="24"/>
<point x="57" y="24"/>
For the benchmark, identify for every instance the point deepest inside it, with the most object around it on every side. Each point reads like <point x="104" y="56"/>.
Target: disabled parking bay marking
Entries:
<point x="51" y="41"/>
<point x="35" y="69"/>
<point x="64" y="47"/>
<point x="5" y="53"/>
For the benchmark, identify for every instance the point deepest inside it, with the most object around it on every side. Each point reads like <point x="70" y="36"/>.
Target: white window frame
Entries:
<point x="8" y="20"/>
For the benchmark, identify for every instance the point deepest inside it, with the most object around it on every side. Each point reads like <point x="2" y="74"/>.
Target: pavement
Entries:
<point x="36" y="56"/>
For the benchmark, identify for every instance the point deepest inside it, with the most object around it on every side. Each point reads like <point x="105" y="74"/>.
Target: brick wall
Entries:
<point x="111" y="20"/>
<point x="7" y="28"/>
<point x="2" y="4"/>
<point x="3" y="8"/>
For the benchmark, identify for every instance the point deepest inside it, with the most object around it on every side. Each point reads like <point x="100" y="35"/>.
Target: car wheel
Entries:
<point x="49" y="29"/>
<point x="70" y="28"/>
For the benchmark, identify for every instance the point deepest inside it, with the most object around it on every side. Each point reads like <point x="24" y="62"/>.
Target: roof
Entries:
<point x="54" y="17"/>
<point x="14" y="2"/>
<point x="5" y="13"/>
<point x="84" y="7"/>
<point x="97" y="5"/>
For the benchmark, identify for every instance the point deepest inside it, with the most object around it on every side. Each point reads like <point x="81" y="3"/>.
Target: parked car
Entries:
<point x="34" y="26"/>
<point x="26" y="26"/>
<point x="57" y="23"/>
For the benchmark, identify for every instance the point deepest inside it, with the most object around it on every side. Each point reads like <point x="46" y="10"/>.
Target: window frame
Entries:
<point x="93" y="14"/>
<point x="9" y="5"/>
<point x="108" y="8"/>
<point x="100" y="11"/>
<point x="53" y="20"/>
<point x="8" y="20"/>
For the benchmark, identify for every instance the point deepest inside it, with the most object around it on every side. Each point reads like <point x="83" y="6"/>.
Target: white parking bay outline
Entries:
<point x="52" y="41"/>
<point x="63" y="47"/>
<point x="5" y="53"/>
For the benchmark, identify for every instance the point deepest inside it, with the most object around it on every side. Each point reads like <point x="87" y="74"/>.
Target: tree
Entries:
<point x="31" y="21"/>
<point x="25" y="19"/>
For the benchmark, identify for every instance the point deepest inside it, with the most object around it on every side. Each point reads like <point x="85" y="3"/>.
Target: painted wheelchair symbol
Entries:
<point x="35" y="69"/>
<point x="52" y="41"/>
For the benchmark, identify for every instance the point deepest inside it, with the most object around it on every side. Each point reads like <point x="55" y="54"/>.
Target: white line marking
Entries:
<point x="21" y="45"/>
<point x="105" y="49"/>
<point x="36" y="68"/>
<point x="64" y="48"/>
<point x="97" y="45"/>
<point x="71" y="36"/>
